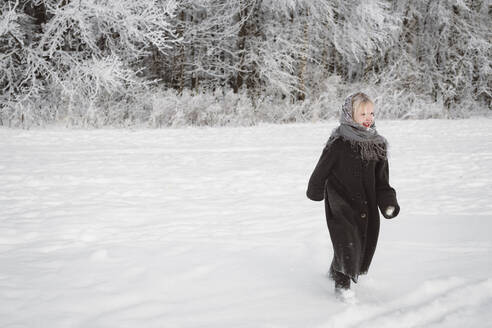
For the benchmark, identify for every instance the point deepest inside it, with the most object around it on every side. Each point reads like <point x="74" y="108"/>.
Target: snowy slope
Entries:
<point x="211" y="228"/>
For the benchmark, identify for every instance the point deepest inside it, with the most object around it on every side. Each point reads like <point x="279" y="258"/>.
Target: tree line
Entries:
<point x="126" y="61"/>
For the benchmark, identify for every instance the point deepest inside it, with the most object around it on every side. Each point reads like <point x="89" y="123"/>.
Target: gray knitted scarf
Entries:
<point x="371" y="145"/>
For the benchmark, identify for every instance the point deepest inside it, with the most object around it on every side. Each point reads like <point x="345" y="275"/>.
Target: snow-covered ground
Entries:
<point x="210" y="227"/>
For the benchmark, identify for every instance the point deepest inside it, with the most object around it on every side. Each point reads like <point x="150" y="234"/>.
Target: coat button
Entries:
<point x="365" y="202"/>
<point x="363" y="215"/>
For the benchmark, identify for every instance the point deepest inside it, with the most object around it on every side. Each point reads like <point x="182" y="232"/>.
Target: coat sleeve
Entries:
<point x="385" y="194"/>
<point x="316" y="186"/>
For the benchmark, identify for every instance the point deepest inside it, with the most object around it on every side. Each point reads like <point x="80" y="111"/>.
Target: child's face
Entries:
<point x="364" y="115"/>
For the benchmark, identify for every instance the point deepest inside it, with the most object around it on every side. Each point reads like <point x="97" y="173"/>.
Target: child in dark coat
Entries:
<point x="353" y="179"/>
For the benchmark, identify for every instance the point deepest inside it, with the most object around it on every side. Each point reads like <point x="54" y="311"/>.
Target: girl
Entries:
<point x="352" y="177"/>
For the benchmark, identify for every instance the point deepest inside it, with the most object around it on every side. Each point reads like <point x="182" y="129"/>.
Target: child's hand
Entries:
<point x="389" y="211"/>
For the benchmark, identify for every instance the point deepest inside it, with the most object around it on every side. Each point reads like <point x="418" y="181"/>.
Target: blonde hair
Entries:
<point x="358" y="100"/>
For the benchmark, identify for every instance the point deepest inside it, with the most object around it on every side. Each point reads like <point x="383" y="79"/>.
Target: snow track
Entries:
<point x="442" y="302"/>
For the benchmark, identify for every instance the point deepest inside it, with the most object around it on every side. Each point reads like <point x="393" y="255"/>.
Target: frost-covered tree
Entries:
<point x="84" y="51"/>
<point x="443" y="55"/>
<point x="18" y="75"/>
<point x="345" y="39"/>
<point x="210" y="53"/>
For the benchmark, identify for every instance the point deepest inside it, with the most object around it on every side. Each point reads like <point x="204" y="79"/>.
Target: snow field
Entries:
<point x="210" y="227"/>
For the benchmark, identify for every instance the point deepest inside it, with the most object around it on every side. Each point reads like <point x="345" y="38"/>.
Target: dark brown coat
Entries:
<point x="352" y="189"/>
